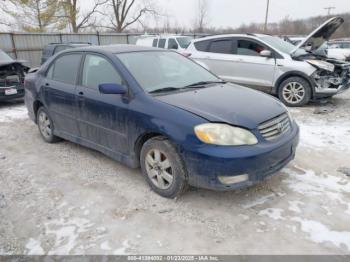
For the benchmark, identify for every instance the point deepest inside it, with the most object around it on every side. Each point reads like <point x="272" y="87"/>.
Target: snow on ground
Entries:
<point x="13" y="112"/>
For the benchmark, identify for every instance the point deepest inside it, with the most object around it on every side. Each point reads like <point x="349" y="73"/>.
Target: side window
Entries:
<point x="249" y="48"/>
<point x="97" y="70"/>
<point x="202" y="45"/>
<point x="49" y="73"/>
<point x="172" y="44"/>
<point x="66" y="68"/>
<point x="155" y="42"/>
<point x="161" y="43"/>
<point x="221" y="46"/>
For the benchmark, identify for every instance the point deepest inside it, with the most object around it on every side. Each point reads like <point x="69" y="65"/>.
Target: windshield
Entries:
<point x="156" y="70"/>
<point x="282" y="45"/>
<point x="5" y="57"/>
<point x="184" y="42"/>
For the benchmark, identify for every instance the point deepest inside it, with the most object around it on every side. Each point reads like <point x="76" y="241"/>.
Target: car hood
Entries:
<point x="228" y="103"/>
<point x="321" y="35"/>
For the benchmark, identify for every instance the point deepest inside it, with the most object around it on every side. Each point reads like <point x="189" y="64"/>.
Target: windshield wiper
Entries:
<point x="164" y="89"/>
<point x="204" y="83"/>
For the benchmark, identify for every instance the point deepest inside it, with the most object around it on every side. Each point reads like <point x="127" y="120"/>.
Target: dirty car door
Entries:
<point x="59" y="93"/>
<point x="102" y="117"/>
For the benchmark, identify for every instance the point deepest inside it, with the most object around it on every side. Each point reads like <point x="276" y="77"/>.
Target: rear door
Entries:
<point x="59" y="92"/>
<point x="101" y="117"/>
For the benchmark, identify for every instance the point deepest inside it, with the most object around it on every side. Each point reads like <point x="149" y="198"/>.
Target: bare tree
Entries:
<point x="75" y="18"/>
<point x="127" y="12"/>
<point x="30" y="15"/>
<point x="201" y="20"/>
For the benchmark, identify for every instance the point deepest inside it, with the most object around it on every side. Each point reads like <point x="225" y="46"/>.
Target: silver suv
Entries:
<point x="297" y="74"/>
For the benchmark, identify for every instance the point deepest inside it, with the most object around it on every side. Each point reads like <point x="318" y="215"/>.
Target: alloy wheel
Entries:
<point x="45" y="125"/>
<point x="159" y="169"/>
<point x="293" y="92"/>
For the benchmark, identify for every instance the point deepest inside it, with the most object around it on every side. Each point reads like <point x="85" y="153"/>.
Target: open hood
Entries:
<point x="321" y="35"/>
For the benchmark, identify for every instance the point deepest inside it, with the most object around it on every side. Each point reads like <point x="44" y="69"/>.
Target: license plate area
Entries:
<point x="10" y="91"/>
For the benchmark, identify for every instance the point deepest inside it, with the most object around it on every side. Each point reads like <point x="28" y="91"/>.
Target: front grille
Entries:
<point x="275" y="127"/>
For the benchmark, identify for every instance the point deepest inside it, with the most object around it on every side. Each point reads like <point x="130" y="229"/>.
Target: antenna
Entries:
<point x="329" y="9"/>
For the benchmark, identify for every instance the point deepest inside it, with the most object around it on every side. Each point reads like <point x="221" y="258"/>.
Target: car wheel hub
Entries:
<point x="293" y="92"/>
<point x="159" y="169"/>
<point x="44" y="125"/>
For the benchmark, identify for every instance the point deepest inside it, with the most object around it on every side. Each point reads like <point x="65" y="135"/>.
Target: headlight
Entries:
<point x="224" y="135"/>
<point x="322" y="65"/>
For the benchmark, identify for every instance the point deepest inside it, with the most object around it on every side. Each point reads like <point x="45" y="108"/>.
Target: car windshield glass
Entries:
<point x="5" y="57"/>
<point x="282" y="45"/>
<point x="156" y="70"/>
<point x="184" y="42"/>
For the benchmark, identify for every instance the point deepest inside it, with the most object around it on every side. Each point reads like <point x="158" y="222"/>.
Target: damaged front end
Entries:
<point x="11" y="80"/>
<point x="331" y="77"/>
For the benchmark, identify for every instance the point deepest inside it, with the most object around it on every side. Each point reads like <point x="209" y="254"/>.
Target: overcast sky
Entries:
<point x="224" y="13"/>
<point x="233" y="13"/>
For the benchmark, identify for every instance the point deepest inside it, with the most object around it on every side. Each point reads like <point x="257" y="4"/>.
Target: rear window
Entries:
<point x="65" y="69"/>
<point x="162" y="43"/>
<point x="221" y="47"/>
<point x="202" y="45"/>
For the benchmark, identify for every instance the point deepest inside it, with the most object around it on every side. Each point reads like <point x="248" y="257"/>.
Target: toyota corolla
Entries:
<point x="159" y="110"/>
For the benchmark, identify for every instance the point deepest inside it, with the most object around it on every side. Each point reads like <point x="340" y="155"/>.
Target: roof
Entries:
<point x="228" y="35"/>
<point x="115" y="49"/>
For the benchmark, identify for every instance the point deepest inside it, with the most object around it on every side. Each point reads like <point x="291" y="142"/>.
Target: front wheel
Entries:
<point x="163" y="168"/>
<point x="294" y="91"/>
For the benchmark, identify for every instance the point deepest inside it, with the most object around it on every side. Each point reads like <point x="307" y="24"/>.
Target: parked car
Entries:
<point x="159" y="110"/>
<point x="175" y="42"/>
<point x="339" y="49"/>
<point x="12" y="74"/>
<point x="54" y="48"/>
<point x="270" y="64"/>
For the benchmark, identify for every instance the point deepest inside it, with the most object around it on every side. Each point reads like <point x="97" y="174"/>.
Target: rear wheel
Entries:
<point x="294" y="91"/>
<point x="163" y="168"/>
<point x="46" y="126"/>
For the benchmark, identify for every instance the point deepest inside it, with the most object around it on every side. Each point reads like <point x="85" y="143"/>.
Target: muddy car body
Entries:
<point x="12" y="75"/>
<point x="297" y="74"/>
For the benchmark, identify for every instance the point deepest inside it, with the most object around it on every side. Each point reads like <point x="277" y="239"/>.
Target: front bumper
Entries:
<point x="259" y="162"/>
<point x="3" y="97"/>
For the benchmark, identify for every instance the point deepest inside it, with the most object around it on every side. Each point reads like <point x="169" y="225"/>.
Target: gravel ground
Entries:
<point x="66" y="199"/>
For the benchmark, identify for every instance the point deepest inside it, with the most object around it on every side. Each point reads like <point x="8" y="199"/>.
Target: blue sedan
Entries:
<point x="159" y="110"/>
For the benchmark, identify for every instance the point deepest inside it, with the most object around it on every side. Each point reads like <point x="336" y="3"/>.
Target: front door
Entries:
<point x="102" y="118"/>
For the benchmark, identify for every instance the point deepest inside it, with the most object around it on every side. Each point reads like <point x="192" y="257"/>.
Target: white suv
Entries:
<point x="296" y="74"/>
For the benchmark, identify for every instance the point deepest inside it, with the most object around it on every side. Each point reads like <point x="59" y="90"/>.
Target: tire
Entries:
<point x="46" y="127"/>
<point x="163" y="168"/>
<point x="294" y="92"/>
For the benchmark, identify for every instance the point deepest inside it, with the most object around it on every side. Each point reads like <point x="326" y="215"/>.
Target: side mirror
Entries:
<point x="110" y="88"/>
<point x="266" y="53"/>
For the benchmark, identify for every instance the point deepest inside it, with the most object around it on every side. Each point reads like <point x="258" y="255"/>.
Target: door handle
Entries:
<point x="47" y="84"/>
<point x="81" y="93"/>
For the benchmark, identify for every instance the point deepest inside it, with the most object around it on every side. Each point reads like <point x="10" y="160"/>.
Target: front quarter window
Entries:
<point x="154" y="70"/>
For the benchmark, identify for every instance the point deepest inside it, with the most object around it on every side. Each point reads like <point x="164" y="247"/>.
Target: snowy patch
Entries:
<point x="123" y="249"/>
<point x="34" y="247"/>
<point x="311" y="184"/>
<point x="258" y="201"/>
<point x="105" y="246"/>
<point x="320" y="233"/>
<point x="320" y="135"/>
<point x="66" y="234"/>
<point x="11" y="113"/>
<point x="274" y="213"/>
<point x="295" y="206"/>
